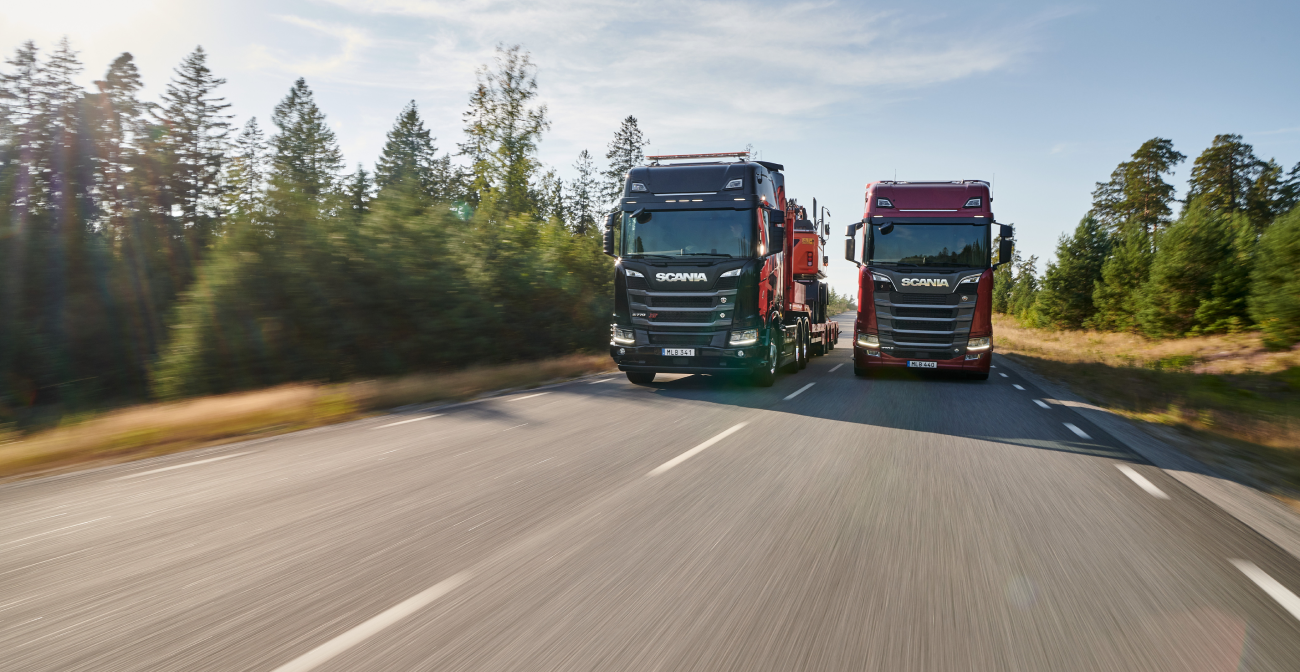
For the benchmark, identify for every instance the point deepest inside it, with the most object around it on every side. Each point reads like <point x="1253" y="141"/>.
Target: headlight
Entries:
<point x="633" y="274"/>
<point x="743" y="337"/>
<point x="973" y="279"/>
<point x="729" y="274"/>
<point x="982" y="343"/>
<point x="624" y="336"/>
<point x="869" y="340"/>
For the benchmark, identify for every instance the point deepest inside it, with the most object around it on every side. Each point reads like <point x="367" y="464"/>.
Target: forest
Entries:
<point x="1225" y="262"/>
<point x="150" y="250"/>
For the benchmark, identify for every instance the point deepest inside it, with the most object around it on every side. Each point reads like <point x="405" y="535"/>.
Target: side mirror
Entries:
<point x="826" y="229"/>
<point x="1006" y="231"/>
<point x="850" y="231"/>
<point x="775" y="238"/>
<point x="609" y="235"/>
<point x="886" y="228"/>
<point x="775" y="216"/>
<point x="850" y="248"/>
<point x="1006" y="249"/>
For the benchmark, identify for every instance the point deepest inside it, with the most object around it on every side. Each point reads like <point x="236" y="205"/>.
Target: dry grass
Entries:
<point x="154" y="429"/>
<point x="1235" y="404"/>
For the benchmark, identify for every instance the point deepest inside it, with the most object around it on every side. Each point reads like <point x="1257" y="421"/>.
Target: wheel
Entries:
<point x="802" y="352"/>
<point x="860" y="372"/>
<point x="641" y="377"/>
<point x="978" y="376"/>
<point x="766" y="376"/>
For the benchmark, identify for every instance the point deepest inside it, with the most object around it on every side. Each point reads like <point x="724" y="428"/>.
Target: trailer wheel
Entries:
<point x="641" y="377"/>
<point x="766" y="375"/>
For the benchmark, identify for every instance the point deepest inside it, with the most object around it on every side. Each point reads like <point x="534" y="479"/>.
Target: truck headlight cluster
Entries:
<point x="869" y="340"/>
<point x="624" y="336"/>
<point x="743" y="337"/>
<point x="981" y="343"/>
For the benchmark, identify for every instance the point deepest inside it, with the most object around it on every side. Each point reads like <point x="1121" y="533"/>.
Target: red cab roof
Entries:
<point x="958" y="198"/>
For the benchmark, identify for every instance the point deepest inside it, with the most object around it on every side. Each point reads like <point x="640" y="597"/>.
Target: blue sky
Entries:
<point x="1043" y="99"/>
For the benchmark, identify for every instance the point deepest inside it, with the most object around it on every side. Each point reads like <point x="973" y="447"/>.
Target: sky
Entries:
<point x="1041" y="99"/>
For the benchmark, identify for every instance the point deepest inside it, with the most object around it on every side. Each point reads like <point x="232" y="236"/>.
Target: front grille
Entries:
<point x="927" y="299"/>
<point x="922" y="338"/>
<point x="681" y="316"/>
<point x="691" y="330"/>
<point x="920" y="354"/>
<point x="680" y="301"/>
<point x="923" y="312"/>
<point x="680" y="339"/>
<point x="634" y="282"/>
<point x="727" y="283"/>
<point x="918" y="325"/>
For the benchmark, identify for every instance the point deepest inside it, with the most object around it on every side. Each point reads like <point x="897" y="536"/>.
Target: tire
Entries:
<point x="803" y="353"/>
<point x="861" y="373"/>
<point x="978" y="376"/>
<point x="766" y="376"/>
<point x="641" y="377"/>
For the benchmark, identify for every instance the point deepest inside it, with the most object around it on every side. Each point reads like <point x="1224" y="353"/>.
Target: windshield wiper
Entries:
<point x="895" y="263"/>
<point x="644" y="254"/>
<point x="706" y="254"/>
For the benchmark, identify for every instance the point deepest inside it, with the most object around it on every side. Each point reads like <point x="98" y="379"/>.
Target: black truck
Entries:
<point x="700" y="280"/>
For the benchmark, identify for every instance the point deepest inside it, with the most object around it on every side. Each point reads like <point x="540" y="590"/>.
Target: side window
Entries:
<point x="762" y="229"/>
<point x="766" y="189"/>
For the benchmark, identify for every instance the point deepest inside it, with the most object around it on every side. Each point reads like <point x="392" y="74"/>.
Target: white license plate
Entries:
<point x="922" y="365"/>
<point x="679" y="352"/>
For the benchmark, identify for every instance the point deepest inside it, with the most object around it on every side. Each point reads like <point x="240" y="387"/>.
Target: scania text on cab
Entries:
<point x="702" y="283"/>
<point x="925" y="286"/>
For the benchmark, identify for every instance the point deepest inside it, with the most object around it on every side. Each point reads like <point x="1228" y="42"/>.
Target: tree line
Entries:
<point x="150" y="249"/>
<point x="1225" y="263"/>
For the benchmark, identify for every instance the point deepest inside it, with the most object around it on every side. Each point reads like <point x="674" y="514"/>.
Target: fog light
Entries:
<point x="869" y="340"/>
<point x="622" y="351"/>
<point x="974" y="356"/>
<point x="740" y="353"/>
<point x="873" y="353"/>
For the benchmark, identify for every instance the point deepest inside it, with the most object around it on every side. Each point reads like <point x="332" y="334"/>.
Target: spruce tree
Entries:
<point x="305" y="154"/>
<point x="1024" y="291"/>
<point x="1200" y="275"/>
<point x="1116" y="296"/>
<point x="626" y="151"/>
<point x="583" y="193"/>
<point x="410" y="154"/>
<point x="1065" y="301"/>
<point x="196" y="126"/>
<point x="1275" y="284"/>
<point x="358" y="191"/>
<point x="1137" y="194"/>
<point x="246" y="171"/>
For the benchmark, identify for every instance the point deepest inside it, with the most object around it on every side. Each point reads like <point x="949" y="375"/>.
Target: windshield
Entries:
<point x="687" y="233"/>
<point x="932" y="245"/>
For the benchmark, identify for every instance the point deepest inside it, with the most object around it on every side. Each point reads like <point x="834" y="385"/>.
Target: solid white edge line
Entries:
<point x="835" y="367"/>
<point x="403" y="422"/>
<point x="182" y="466"/>
<point x="1275" y="590"/>
<point x="692" y="452"/>
<point x="1040" y="402"/>
<point x="528" y="397"/>
<point x="1017" y="387"/>
<point x="1142" y="481"/>
<point x="798" y="392"/>
<point x="1082" y="434"/>
<point x="319" y="655"/>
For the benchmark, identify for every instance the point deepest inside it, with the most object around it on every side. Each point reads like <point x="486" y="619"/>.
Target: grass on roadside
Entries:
<point x="155" y="429"/>
<point x="1237" y="403"/>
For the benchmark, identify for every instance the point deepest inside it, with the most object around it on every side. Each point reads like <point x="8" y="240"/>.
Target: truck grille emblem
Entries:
<point x="680" y="277"/>
<point x="925" y="282"/>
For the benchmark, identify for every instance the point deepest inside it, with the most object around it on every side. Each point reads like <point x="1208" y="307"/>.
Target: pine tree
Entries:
<point x="1275" y="285"/>
<point x="626" y="151"/>
<point x="410" y="154"/>
<point x="305" y="153"/>
<point x="359" y="188"/>
<point x="502" y="132"/>
<point x="1222" y="176"/>
<point x="1137" y="195"/>
<point x="196" y="126"/>
<point x="583" y="193"/>
<point x="246" y="171"/>
<point x="120" y="128"/>
<point x="1117" y="295"/>
<point x="1025" y="290"/>
<point x="1065" y="301"/>
<point x="1200" y="275"/>
<point x="549" y="196"/>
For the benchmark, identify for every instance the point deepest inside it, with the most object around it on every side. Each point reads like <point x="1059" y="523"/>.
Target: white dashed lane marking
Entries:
<point x="798" y="392"/>
<point x="694" y="451"/>
<point x="835" y="367"/>
<point x="181" y="466"/>
<point x="1275" y="590"/>
<point x="1082" y="434"/>
<point x="528" y="397"/>
<point x="1041" y="403"/>
<point x="1141" y="481"/>
<point x="1003" y="375"/>
<point x="1017" y="387"/>
<point x="403" y="422"/>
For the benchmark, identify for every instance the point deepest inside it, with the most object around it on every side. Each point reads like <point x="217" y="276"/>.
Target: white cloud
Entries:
<point x="351" y="43"/>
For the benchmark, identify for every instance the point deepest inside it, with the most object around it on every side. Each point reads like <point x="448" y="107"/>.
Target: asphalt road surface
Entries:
<point x="894" y="523"/>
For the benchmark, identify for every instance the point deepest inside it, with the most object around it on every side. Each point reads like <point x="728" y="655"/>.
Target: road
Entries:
<point x="893" y="523"/>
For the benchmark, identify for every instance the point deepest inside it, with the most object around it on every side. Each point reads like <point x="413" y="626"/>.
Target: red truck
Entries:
<point x="713" y="271"/>
<point x="925" y="284"/>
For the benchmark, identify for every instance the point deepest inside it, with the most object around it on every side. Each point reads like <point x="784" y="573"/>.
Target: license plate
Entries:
<point x="922" y="365"/>
<point x="679" y="352"/>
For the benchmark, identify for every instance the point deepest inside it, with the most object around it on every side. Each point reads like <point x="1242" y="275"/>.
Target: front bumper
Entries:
<point x="706" y="359"/>
<point x="959" y="363"/>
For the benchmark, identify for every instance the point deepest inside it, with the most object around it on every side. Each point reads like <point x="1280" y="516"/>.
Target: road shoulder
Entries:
<point x="1261" y="512"/>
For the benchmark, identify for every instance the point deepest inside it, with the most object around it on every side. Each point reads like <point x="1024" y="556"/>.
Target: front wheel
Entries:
<point x="641" y="377"/>
<point x="860" y="371"/>
<point x="766" y="376"/>
<point x="978" y="376"/>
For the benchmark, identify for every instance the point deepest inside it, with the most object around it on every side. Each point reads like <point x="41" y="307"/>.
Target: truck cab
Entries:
<point x="699" y="286"/>
<point x="925" y="288"/>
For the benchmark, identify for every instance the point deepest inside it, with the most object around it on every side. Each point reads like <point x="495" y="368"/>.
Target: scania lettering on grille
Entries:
<point x="925" y="282"/>
<point x="680" y="277"/>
